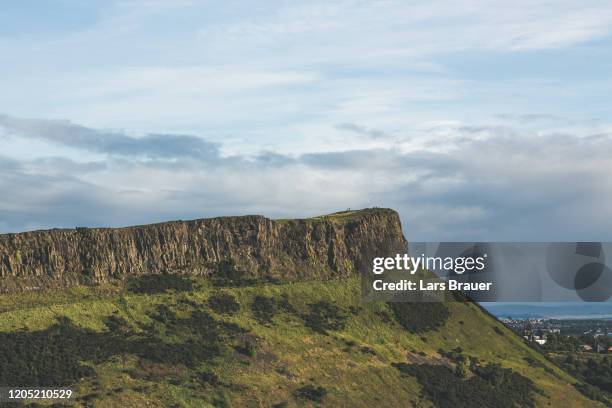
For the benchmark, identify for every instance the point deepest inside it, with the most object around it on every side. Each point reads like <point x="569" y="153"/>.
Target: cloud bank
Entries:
<point x="479" y="182"/>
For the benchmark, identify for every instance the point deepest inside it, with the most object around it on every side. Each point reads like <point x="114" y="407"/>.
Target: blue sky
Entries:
<point x="475" y="120"/>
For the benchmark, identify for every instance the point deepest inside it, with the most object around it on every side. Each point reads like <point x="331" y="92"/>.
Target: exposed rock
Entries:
<point x="336" y="245"/>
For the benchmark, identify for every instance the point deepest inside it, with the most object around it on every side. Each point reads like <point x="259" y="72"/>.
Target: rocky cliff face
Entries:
<point x="317" y="248"/>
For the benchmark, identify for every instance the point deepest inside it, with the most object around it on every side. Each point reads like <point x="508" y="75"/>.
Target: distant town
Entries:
<point x="587" y="335"/>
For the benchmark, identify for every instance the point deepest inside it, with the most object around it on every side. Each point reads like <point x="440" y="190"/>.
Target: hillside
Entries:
<point x="234" y="337"/>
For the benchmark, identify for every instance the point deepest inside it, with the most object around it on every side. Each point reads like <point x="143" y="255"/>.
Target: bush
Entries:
<point x="224" y="303"/>
<point x="595" y="372"/>
<point x="324" y="316"/>
<point x="367" y="350"/>
<point x="491" y="387"/>
<point x="593" y="393"/>
<point x="420" y="316"/>
<point x="223" y="400"/>
<point x="47" y="358"/>
<point x="312" y="393"/>
<point x="152" y="284"/>
<point x="210" y="378"/>
<point x="248" y="348"/>
<point x="116" y="324"/>
<point x="264" y="308"/>
<point x="455" y="355"/>
<point x="163" y="314"/>
<point x="54" y="357"/>
<point x="285" y="305"/>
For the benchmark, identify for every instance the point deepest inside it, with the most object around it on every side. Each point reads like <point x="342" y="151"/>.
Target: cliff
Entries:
<point x="324" y="247"/>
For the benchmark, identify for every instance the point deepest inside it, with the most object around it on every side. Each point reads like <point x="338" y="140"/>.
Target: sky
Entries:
<point x="475" y="120"/>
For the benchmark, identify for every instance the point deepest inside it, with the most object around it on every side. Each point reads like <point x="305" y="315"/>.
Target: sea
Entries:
<point x="550" y="310"/>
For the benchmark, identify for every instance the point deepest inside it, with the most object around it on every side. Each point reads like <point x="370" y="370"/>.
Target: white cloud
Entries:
<point x="226" y="67"/>
<point x="401" y="28"/>
<point x="481" y="182"/>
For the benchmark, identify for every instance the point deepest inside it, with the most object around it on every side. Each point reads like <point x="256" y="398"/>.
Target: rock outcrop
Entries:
<point x="324" y="247"/>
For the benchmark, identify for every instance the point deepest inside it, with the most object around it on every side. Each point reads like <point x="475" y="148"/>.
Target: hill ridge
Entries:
<point x="323" y="247"/>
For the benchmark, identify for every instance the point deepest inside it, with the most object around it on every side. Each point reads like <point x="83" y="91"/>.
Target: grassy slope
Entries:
<point x="289" y="354"/>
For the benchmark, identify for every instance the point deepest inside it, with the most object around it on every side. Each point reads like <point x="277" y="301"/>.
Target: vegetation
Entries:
<point x="264" y="308"/>
<point x="224" y="303"/>
<point x="311" y="392"/>
<point x="325" y="316"/>
<point x="595" y="372"/>
<point x="558" y="342"/>
<point x="306" y="343"/>
<point x="159" y="283"/>
<point x="53" y="357"/>
<point x="46" y="358"/>
<point x="592" y="369"/>
<point x="491" y="386"/>
<point x="417" y="317"/>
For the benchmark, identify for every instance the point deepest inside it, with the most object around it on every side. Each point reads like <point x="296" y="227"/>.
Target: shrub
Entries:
<point x="455" y="355"/>
<point x="533" y="362"/>
<point x="53" y="357"/>
<point x="248" y="348"/>
<point x="367" y="350"/>
<point x="324" y="316"/>
<point x="116" y="324"/>
<point x="595" y="372"/>
<point x="224" y="303"/>
<point x="461" y="370"/>
<point x="210" y="378"/>
<point x="312" y="393"/>
<point x="592" y="392"/>
<point x="491" y="387"/>
<point x="419" y="316"/>
<point x="152" y="284"/>
<point x="223" y="400"/>
<point x="285" y="305"/>
<point x="264" y="308"/>
<point x="163" y="314"/>
<point x="47" y="358"/>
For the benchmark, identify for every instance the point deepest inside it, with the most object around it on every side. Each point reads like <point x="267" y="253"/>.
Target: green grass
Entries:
<point x="353" y="364"/>
<point x="340" y="216"/>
